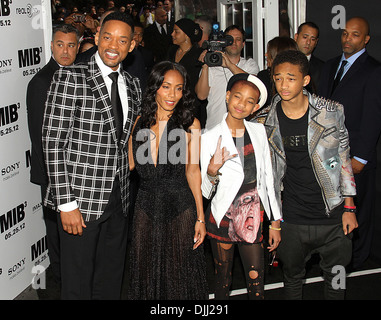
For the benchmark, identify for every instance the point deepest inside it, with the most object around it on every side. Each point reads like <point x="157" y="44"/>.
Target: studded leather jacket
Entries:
<point x="328" y="148"/>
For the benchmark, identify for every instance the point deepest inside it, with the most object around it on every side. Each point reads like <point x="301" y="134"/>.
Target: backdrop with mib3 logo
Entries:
<point x="25" y="30"/>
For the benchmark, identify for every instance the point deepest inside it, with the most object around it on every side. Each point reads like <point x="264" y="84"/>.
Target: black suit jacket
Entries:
<point x="35" y="101"/>
<point x="360" y="93"/>
<point x="157" y="43"/>
<point x="171" y="22"/>
<point x="148" y="59"/>
<point x="315" y="67"/>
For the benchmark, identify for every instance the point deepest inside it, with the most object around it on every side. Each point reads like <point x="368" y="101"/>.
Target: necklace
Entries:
<point x="180" y="52"/>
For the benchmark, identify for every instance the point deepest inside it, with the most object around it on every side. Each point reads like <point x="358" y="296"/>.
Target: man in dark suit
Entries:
<point x="307" y="39"/>
<point x="90" y="111"/>
<point x="157" y="36"/>
<point x="353" y="79"/>
<point x="64" y="46"/>
<point x="147" y="54"/>
<point x="170" y="10"/>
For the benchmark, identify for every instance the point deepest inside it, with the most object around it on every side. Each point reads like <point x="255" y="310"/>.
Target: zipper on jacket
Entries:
<point x="321" y="189"/>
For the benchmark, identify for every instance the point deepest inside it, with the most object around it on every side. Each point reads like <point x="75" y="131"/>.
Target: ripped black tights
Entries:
<point x="253" y="264"/>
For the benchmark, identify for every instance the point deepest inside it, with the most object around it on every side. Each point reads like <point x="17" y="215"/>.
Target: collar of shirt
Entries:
<point x="61" y="66"/>
<point x="159" y="26"/>
<point x="105" y="70"/>
<point x="351" y="60"/>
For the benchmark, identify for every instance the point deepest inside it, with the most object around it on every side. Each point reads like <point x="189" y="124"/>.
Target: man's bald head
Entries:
<point x="161" y="16"/>
<point x="355" y="36"/>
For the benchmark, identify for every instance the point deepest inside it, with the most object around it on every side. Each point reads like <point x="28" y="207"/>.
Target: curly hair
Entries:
<point x="183" y="114"/>
<point x="294" y="57"/>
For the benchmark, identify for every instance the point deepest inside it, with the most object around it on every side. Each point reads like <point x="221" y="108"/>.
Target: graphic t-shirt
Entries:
<point x="243" y="220"/>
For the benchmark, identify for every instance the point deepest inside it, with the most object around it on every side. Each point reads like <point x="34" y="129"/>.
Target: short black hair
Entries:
<point x="309" y="24"/>
<point x="294" y="57"/>
<point x="119" y="16"/>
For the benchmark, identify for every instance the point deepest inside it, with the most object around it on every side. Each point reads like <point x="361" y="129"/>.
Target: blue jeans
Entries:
<point x="299" y="242"/>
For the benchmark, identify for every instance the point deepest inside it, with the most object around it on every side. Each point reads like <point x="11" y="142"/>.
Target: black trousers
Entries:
<point x="92" y="265"/>
<point x="365" y="202"/>
<point x="52" y="234"/>
<point x="299" y="242"/>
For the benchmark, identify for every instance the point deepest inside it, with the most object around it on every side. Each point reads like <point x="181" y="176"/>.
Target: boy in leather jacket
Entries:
<point x="309" y="145"/>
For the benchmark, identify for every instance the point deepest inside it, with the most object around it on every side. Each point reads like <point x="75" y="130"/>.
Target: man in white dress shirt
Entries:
<point x="213" y="80"/>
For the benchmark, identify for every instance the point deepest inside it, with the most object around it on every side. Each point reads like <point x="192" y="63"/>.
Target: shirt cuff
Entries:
<point x="70" y="206"/>
<point x="361" y="160"/>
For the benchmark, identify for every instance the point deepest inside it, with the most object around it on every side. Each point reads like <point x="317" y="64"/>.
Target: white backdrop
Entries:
<point x="25" y="33"/>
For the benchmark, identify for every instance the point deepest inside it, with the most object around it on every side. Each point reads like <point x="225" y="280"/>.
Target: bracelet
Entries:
<point x="276" y="229"/>
<point x="199" y="220"/>
<point x="350" y="209"/>
<point x="214" y="179"/>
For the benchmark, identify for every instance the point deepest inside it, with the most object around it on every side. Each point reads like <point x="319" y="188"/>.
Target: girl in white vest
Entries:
<point x="237" y="174"/>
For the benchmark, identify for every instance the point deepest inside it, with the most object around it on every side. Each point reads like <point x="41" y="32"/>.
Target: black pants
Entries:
<point x="92" y="265"/>
<point x="299" y="242"/>
<point x="52" y="234"/>
<point x="365" y="202"/>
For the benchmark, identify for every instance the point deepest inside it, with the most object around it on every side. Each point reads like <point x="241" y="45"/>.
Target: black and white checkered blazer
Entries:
<point x="80" y="142"/>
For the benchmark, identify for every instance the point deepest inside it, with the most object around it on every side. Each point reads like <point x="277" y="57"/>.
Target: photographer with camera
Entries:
<point x="84" y="23"/>
<point x="219" y="67"/>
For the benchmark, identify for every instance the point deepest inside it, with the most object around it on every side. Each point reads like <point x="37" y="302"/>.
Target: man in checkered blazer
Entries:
<point x="87" y="163"/>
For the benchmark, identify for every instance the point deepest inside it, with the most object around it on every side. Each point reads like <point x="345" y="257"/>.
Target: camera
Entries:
<point x="217" y="42"/>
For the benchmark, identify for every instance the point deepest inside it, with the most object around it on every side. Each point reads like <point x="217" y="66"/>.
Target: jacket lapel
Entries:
<point x="131" y="116"/>
<point x="103" y="101"/>
<point x="332" y="74"/>
<point x="273" y="132"/>
<point x="315" y="130"/>
<point x="228" y="143"/>
<point x="53" y="65"/>
<point x="353" y="69"/>
<point x="348" y="75"/>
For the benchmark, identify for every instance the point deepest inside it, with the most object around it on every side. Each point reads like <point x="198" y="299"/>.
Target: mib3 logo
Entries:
<point x="9" y="114"/>
<point x="38" y="248"/>
<point x="29" y="57"/>
<point x="5" y="9"/>
<point x="12" y="217"/>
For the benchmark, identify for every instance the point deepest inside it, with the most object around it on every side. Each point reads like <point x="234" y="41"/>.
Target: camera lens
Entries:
<point x="214" y="57"/>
